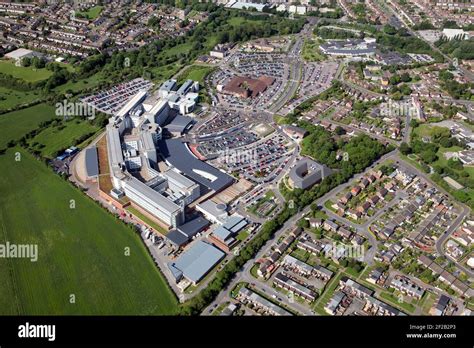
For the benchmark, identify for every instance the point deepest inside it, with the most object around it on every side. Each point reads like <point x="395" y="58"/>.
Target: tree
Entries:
<point x="405" y="149"/>
<point x="303" y="223"/>
<point x="428" y="156"/>
<point x="340" y="131"/>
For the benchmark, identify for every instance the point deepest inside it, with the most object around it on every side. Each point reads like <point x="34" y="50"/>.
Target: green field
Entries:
<point x="311" y="51"/>
<point x="195" y="73"/>
<point x="165" y="72"/>
<point x="425" y="130"/>
<point x="29" y="74"/>
<point x="238" y="21"/>
<point x="10" y="98"/>
<point x="181" y="48"/>
<point x="56" y="139"/>
<point x="79" y="85"/>
<point x="393" y="300"/>
<point x="81" y="251"/>
<point x="14" y="125"/>
<point x="91" y="13"/>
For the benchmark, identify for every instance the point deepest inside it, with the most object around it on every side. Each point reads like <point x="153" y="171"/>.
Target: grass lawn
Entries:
<point x="165" y="72"/>
<point x="91" y="13"/>
<point x="242" y="235"/>
<point x="311" y="51"/>
<point x="195" y="73"/>
<point x="393" y="300"/>
<point x="237" y="21"/>
<point x="29" y="74"/>
<point x="442" y="161"/>
<point x="327" y="294"/>
<point x="181" y="48"/>
<point x="428" y="303"/>
<point x="14" y="125"/>
<point x="56" y="139"/>
<point x="81" y="251"/>
<point x="80" y="85"/>
<point x="10" y="98"/>
<point x="353" y="272"/>
<point x="425" y="130"/>
<point x="253" y="271"/>
<point x="328" y="205"/>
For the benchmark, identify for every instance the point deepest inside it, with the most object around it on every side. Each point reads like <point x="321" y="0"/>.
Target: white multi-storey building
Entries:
<point x="153" y="201"/>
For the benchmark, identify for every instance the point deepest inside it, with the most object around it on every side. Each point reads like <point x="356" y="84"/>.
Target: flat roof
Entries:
<point x="196" y="262"/>
<point x="178" y="155"/>
<point x="19" y="53"/>
<point x="132" y="103"/>
<point x="194" y="226"/>
<point x="177" y="238"/>
<point x="152" y="195"/>
<point x="214" y="209"/>
<point x="178" y="179"/>
<point x="232" y="221"/>
<point x="114" y="146"/>
<point x="222" y="233"/>
<point x="158" y="107"/>
<point x="185" y="86"/>
<point x="182" y="234"/>
<point x="92" y="162"/>
<point x="147" y="140"/>
<point x="179" y="124"/>
<point x="306" y="167"/>
<point x="168" y="85"/>
<point x="240" y="5"/>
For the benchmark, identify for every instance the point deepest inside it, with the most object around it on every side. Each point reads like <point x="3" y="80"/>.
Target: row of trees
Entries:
<point x="457" y="47"/>
<point x="337" y="34"/>
<point x="36" y="62"/>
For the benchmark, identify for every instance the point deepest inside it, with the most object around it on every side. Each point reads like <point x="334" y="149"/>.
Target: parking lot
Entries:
<point x="261" y="161"/>
<point x="112" y="100"/>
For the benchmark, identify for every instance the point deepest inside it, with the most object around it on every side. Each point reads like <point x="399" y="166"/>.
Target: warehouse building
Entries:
<point x="196" y="262"/>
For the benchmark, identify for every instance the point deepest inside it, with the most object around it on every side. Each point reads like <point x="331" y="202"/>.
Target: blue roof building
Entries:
<point x="198" y="261"/>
